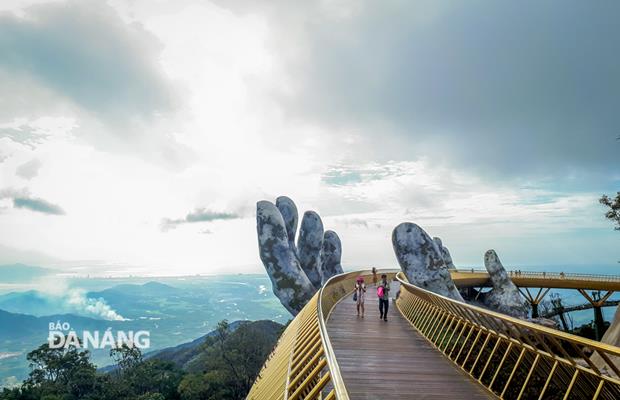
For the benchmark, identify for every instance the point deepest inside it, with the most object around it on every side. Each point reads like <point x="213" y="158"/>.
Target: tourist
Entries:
<point x="360" y="289"/>
<point x="383" y="291"/>
<point x="374" y="276"/>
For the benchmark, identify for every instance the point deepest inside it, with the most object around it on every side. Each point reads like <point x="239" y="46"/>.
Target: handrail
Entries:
<point x="502" y="353"/>
<point x="339" y="387"/>
<point x="303" y="362"/>
<point x="585" y="365"/>
<point x="472" y="277"/>
<point x="333" y="291"/>
<point x="547" y="275"/>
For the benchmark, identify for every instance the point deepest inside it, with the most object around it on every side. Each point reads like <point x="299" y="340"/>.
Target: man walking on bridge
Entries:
<point x="384" y="297"/>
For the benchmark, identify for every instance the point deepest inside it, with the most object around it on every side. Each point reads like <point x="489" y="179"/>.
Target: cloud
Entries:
<point x="84" y="52"/>
<point x="518" y="89"/>
<point x="85" y="62"/>
<point x="353" y="222"/>
<point x="29" y="169"/>
<point x="23" y="135"/>
<point x="343" y="175"/>
<point x="198" y="215"/>
<point x="39" y="205"/>
<point x="422" y="192"/>
<point x="22" y="199"/>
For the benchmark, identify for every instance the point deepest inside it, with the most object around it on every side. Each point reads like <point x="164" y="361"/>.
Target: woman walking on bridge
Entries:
<point x="384" y="297"/>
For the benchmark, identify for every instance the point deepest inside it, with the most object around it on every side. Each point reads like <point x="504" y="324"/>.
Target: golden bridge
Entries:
<point x="434" y="347"/>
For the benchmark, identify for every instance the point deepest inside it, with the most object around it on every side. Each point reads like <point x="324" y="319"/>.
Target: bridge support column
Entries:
<point x="534" y="301"/>
<point x="597" y="303"/>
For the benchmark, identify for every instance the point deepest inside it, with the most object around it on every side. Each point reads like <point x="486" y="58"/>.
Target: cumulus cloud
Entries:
<point x="22" y="199"/>
<point x="198" y="215"/>
<point x="29" y="169"/>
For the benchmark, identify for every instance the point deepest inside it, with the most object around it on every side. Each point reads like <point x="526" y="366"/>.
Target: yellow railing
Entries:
<point x="478" y="277"/>
<point x="512" y="358"/>
<point x="550" y="275"/>
<point x="303" y="364"/>
<point x="296" y="369"/>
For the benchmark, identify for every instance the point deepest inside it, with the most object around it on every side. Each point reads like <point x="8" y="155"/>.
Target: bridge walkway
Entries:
<point x="391" y="360"/>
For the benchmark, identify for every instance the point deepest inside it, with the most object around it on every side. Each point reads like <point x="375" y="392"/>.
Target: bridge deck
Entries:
<point x="391" y="360"/>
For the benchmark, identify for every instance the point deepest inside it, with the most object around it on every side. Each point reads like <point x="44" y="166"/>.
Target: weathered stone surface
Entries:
<point x="612" y="337"/>
<point x="288" y="209"/>
<point x="445" y="253"/>
<point x="504" y="297"/>
<point x="331" y="255"/>
<point x="421" y="260"/>
<point x="546" y="322"/>
<point x="309" y="246"/>
<point x="290" y="283"/>
<point x="296" y="271"/>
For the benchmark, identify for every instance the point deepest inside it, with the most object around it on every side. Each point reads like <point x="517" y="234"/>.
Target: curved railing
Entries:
<point x="512" y="358"/>
<point x="550" y="275"/>
<point x="303" y="364"/>
<point x="295" y="366"/>
<point x="560" y="280"/>
<point x="336" y="289"/>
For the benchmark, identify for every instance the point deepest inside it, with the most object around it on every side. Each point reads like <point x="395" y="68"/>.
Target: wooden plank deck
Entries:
<point x="391" y="360"/>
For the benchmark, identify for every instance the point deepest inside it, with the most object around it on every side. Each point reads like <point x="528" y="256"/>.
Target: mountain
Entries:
<point x="21" y="333"/>
<point x="125" y="296"/>
<point x="191" y="355"/>
<point x="30" y="302"/>
<point x="228" y="363"/>
<point x="24" y="324"/>
<point x="185" y="352"/>
<point x="173" y="310"/>
<point x="16" y="327"/>
<point x="21" y="273"/>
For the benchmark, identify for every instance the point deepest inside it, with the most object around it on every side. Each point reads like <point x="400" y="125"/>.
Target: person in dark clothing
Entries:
<point x="383" y="291"/>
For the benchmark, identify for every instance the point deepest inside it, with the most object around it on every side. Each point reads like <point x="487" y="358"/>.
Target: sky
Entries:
<point x="137" y="136"/>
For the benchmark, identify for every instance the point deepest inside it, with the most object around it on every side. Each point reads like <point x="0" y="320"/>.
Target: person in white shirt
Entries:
<point x="360" y="290"/>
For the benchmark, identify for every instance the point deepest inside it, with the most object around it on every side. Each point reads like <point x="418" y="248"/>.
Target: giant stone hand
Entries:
<point x="309" y="245"/>
<point x="505" y="296"/>
<point x="296" y="271"/>
<point x="422" y="261"/>
<point x="330" y="255"/>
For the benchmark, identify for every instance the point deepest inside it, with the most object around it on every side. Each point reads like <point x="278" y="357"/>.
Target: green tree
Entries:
<point x="126" y="357"/>
<point x="212" y="385"/>
<point x="135" y="378"/>
<point x="237" y="357"/>
<point x="151" y="396"/>
<point x="194" y="387"/>
<point x="223" y="369"/>
<point x="58" y="371"/>
<point x="613" y="213"/>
